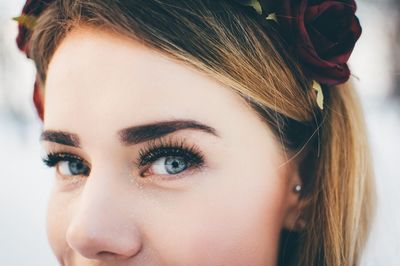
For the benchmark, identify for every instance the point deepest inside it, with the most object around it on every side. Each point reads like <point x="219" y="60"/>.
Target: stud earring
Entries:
<point x="297" y="188"/>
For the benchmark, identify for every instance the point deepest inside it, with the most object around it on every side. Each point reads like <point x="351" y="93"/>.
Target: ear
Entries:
<point x="38" y="99"/>
<point x="293" y="220"/>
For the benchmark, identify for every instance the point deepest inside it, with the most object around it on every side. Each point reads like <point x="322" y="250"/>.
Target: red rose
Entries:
<point x="322" y="34"/>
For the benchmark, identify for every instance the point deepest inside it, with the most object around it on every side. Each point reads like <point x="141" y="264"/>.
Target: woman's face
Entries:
<point x="157" y="163"/>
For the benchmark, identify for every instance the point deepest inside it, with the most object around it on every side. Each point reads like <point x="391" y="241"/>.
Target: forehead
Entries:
<point x="100" y="82"/>
<point x="100" y="73"/>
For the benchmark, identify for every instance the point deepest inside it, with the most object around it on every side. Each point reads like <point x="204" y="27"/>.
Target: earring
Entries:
<point x="297" y="188"/>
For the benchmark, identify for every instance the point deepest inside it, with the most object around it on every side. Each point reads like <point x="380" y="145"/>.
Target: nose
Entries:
<point x="100" y="228"/>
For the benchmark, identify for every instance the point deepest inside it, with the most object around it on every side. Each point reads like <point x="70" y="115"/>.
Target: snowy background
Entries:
<point x="25" y="183"/>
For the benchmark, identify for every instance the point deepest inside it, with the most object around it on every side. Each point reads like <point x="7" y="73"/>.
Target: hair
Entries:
<point x="224" y="40"/>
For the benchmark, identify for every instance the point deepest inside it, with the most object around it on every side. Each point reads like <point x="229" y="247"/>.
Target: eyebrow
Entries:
<point x="61" y="137"/>
<point x="138" y="134"/>
<point x="132" y="135"/>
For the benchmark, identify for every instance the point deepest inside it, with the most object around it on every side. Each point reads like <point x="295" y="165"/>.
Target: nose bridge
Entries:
<point x="100" y="228"/>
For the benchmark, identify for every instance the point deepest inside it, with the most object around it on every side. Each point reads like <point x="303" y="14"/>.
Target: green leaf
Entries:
<point x="252" y="3"/>
<point x="320" y="96"/>
<point x="26" y="20"/>
<point x="272" y="16"/>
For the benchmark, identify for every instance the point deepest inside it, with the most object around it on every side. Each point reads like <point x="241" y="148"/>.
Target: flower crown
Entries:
<point x="320" y="33"/>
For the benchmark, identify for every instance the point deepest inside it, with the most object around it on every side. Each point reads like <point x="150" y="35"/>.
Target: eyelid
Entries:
<point x="168" y="143"/>
<point x="52" y="158"/>
<point x="50" y="147"/>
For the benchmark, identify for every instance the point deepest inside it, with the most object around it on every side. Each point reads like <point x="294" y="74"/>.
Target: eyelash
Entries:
<point x="152" y="152"/>
<point x="179" y="148"/>
<point x="53" y="158"/>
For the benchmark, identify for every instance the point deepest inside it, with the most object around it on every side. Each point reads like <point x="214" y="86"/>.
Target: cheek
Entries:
<point x="57" y="223"/>
<point x="235" y="219"/>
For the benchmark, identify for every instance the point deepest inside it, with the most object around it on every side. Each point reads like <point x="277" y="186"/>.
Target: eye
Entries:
<point x="67" y="164"/>
<point x="169" y="165"/>
<point x="70" y="168"/>
<point x="169" y="158"/>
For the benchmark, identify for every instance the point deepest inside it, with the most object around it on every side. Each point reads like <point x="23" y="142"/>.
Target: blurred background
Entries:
<point x="25" y="183"/>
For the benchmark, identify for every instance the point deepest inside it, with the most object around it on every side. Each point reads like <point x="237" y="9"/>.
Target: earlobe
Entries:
<point x="293" y="220"/>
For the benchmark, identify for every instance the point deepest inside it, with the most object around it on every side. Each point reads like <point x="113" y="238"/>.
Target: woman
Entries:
<point x="200" y="132"/>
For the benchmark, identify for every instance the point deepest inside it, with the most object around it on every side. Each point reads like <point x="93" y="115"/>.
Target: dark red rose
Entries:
<point x="322" y="34"/>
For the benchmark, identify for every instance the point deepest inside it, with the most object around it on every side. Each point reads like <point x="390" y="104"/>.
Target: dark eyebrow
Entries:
<point x="61" y="137"/>
<point x="138" y="134"/>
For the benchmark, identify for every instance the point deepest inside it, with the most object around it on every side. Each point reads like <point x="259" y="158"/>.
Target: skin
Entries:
<point x="229" y="212"/>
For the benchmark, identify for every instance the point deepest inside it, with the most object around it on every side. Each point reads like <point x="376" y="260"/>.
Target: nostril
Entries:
<point x="105" y="253"/>
<point x="108" y="256"/>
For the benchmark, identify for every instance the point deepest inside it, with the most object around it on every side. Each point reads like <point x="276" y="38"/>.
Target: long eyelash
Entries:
<point x="53" y="158"/>
<point x="162" y="148"/>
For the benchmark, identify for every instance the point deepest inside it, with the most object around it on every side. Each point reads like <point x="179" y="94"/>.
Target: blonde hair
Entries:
<point x="225" y="41"/>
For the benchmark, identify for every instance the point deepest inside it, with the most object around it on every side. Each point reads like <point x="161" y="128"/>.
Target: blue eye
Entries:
<point x="67" y="164"/>
<point x="163" y="158"/>
<point x="70" y="168"/>
<point x="169" y="158"/>
<point x="169" y="165"/>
